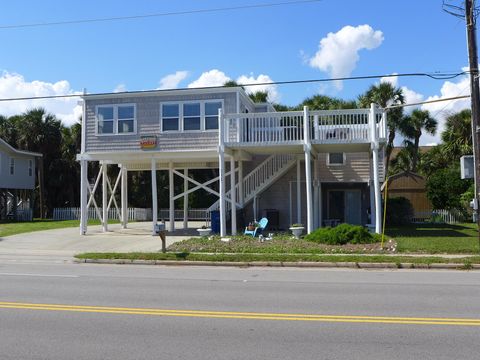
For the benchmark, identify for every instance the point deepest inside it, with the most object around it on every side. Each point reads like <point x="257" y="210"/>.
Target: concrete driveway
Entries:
<point x="60" y="245"/>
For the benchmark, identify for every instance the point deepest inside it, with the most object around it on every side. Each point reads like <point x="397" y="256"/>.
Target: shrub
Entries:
<point x="399" y="211"/>
<point x="341" y="235"/>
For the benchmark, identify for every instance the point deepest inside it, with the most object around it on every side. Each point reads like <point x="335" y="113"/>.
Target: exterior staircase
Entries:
<point x="259" y="179"/>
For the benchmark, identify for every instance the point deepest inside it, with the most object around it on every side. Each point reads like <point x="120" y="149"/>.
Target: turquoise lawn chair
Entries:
<point x="262" y="225"/>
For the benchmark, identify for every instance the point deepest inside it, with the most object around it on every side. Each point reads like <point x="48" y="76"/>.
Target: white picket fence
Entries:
<point x="446" y="216"/>
<point x="134" y="214"/>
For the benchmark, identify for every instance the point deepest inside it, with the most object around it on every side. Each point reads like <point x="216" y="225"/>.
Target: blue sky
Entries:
<point x="275" y="43"/>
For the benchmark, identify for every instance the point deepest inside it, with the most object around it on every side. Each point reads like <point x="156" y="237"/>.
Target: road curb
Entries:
<point x="299" y="264"/>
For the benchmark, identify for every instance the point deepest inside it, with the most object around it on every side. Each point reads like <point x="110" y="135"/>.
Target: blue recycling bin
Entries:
<point x="215" y="221"/>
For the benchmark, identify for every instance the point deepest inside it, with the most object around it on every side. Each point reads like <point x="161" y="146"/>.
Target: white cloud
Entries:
<point x="210" y="78"/>
<point x="272" y="90"/>
<point x="172" y="81"/>
<point x="338" y="52"/>
<point x="14" y="85"/>
<point x="216" y="77"/>
<point x="441" y="110"/>
<point x="390" y="79"/>
<point x="120" y="88"/>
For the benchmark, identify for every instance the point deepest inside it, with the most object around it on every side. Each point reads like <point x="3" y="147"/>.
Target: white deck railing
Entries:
<point x="340" y="126"/>
<point x="283" y="128"/>
<point x="260" y="128"/>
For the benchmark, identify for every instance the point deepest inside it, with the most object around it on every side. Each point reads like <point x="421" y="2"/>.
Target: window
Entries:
<point x="211" y="115"/>
<point x="190" y="116"/>
<point x="116" y="119"/>
<point x="170" y="117"/>
<point x="105" y="120"/>
<point x="126" y="119"/>
<point x="336" y="159"/>
<point x="30" y="167"/>
<point x="12" y="166"/>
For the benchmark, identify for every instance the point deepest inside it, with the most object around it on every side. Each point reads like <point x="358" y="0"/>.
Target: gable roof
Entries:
<point x="10" y="148"/>
<point x="417" y="180"/>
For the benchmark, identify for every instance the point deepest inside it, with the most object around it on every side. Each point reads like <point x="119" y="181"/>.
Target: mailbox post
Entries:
<point x="160" y="231"/>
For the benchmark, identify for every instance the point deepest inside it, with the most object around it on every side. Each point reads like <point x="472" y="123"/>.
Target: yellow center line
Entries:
<point x="243" y="315"/>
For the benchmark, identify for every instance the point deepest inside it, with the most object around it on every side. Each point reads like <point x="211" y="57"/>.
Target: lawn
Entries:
<point x="7" y="229"/>
<point x="281" y="243"/>
<point x="436" y="238"/>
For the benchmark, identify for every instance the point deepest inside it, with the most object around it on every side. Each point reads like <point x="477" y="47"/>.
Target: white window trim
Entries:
<point x="115" y="119"/>
<point x="334" y="164"/>
<point x="180" y="115"/>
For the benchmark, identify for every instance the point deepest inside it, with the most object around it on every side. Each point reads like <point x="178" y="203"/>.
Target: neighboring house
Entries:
<point x="17" y="181"/>
<point x="312" y="167"/>
<point x="411" y="186"/>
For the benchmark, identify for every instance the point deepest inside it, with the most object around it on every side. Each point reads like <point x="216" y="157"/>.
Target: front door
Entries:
<point x="353" y="207"/>
<point x="345" y="206"/>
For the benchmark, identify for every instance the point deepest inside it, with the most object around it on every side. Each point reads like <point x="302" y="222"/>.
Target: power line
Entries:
<point x="429" y="102"/>
<point x="436" y="76"/>
<point x="145" y="16"/>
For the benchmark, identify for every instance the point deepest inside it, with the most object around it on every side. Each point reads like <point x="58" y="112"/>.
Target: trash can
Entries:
<point x="215" y="221"/>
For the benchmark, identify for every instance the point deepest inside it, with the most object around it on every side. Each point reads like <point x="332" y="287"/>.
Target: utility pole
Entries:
<point x="468" y="12"/>
<point x="475" y="97"/>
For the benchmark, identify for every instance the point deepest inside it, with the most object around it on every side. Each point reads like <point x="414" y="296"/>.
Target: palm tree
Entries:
<point x="384" y="95"/>
<point x="402" y="162"/>
<point x="259" y="96"/>
<point x="457" y="136"/>
<point x="412" y="127"/>
<point x="322" y="102"/>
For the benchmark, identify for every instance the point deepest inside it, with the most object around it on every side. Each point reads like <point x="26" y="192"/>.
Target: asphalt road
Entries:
<point x="85" y="311"/>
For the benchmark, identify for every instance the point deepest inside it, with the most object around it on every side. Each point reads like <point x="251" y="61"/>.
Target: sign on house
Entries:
<point x="148" y="142"/>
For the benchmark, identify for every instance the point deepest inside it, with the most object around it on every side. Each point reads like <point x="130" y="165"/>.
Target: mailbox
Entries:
<point x="158" y="228"/>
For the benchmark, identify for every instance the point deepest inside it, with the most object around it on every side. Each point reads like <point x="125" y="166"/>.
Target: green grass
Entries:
<point x="280" y="244"/>
<point x="281" y="258"/>
<point x="7" y="229"/>
<point x="436" y="238"/>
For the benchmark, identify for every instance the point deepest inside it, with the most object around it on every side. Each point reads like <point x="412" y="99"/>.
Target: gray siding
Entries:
<point x="148" y="123"/>
<point x="20" y="179"/>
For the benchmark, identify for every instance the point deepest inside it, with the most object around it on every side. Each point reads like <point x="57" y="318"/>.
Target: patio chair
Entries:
<point x="258" y="230"/>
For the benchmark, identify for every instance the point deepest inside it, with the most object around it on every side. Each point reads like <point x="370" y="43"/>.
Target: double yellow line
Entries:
<point x="244" y="315"/>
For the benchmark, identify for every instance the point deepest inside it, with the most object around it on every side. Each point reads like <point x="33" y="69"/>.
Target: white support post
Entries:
<point x="372" y="199"/>
<point x="171" y="184"/>
<point x="83" y="196"/>
<point x="154" y="196"/>
<point x="124" y="196"/>
<point x="104" y="197"/>
<point x="316" y="209"/>
<point x="308" y="168"/>
<point x="376" y="178"/>
<point x="233" y="196"/>
<point x="240" y="183"/>
<point x="221" y="170"/>
<point x="185" y="199"/>
<point x="299" y="194"/>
